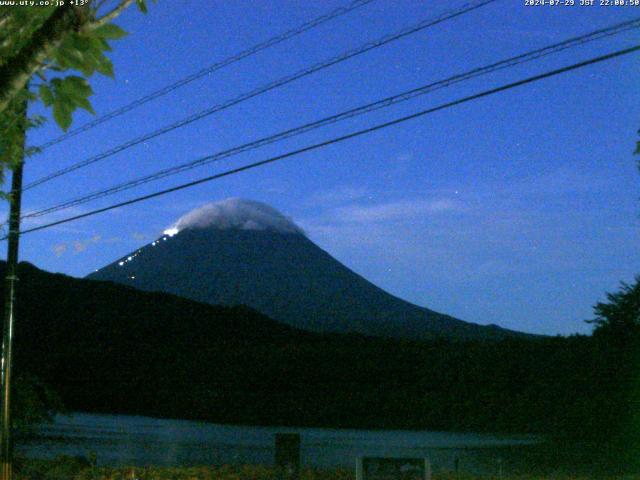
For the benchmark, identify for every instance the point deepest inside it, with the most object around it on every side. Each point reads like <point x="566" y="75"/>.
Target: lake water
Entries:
<point x="120" y="440"/>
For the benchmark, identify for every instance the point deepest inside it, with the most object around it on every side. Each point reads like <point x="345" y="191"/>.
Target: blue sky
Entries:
<point x="520" y="209"/>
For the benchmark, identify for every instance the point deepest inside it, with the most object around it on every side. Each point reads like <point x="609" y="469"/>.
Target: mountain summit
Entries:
<point x="235" y="213"/>
<point x="245" y="252"/>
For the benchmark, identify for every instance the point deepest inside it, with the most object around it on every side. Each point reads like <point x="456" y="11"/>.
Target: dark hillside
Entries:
<point x="110" y="348"/>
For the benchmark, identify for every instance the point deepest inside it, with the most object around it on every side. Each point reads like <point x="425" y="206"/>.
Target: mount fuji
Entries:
<point x="241" y="252"/>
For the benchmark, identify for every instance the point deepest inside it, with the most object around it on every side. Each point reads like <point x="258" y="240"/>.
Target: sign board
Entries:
<point x="390" y="468"/>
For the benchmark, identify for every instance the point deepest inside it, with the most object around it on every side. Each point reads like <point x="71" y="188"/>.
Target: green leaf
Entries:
<point x="76" y="87"/>
<point x="88" y="66"/>
<point x="110" y="31"/>
<point x="142" y="5"/>
<point x="105" y="66"/>
<point x="31" y="151"/>
<point x="68" y="56"/>
<point x="35" y="121"/>
<point x="68" y="94"/>
<point x="104" y="45"/>
<point x="62" y="114"/>
<point x="80" y="42"/>
<point x="98" y="45"/>
<point x="46" y="95"/>
<point x="85" y="104"/>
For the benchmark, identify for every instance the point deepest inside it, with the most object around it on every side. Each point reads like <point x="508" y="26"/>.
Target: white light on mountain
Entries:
<point x="119" y="263"/>
<point x="171" y="231"/>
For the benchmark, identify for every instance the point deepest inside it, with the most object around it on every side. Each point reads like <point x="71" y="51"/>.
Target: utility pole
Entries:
<point x="11" y="279"/>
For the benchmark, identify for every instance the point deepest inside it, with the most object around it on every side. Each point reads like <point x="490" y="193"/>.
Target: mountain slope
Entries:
<point x="281" y="273"/>
<point x="113" y="349"/>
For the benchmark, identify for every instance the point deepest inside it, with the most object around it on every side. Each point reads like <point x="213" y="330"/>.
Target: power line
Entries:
<point x="467" y="7"/>
<point x="386" y="102"/>
<point x="355" y="134"/>
<point x="338" y="12"/>
<point x="270" y="86"/>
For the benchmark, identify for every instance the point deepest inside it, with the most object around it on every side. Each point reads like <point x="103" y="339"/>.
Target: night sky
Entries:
<point x="519" y="209"/>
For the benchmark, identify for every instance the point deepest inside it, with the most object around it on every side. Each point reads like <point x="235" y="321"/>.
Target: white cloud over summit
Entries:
<point x="236" y="213"/>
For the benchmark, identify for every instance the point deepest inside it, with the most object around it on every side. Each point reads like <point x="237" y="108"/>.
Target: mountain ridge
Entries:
<point x="109" y="348"/>
<point x="285" y="276"/>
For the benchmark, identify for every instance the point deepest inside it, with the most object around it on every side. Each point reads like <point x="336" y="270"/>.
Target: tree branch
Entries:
<point x="108" y="17"/>
<point x="4" y="21"/>
<point x="17" y="71"/>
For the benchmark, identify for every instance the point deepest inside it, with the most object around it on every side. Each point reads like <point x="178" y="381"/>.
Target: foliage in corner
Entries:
<point x="620" y="315"/>
<point x="47" y="54"/>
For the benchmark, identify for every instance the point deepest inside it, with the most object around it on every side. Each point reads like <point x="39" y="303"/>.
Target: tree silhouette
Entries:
<point x="620" y="316"/>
